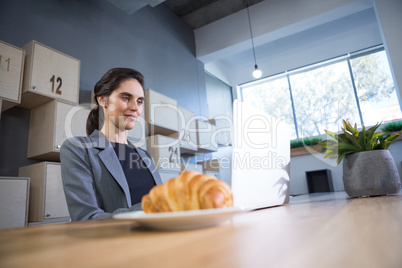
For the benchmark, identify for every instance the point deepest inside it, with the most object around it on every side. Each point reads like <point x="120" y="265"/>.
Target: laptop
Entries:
<point x="260" y="175"/>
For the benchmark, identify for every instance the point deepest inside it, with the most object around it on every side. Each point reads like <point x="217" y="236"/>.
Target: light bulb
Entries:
<point x="257" y="73"/>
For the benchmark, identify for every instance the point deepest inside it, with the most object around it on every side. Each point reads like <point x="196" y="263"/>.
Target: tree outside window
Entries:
<point x="272" y="97"/>
<point x="375" y="88"/>
<point x="324" y="95"/>
<point x="322" y="98"/>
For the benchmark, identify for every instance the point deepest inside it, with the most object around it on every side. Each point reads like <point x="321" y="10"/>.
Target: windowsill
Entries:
<point x="316" y="149"/>
<point x="306" y="150"/>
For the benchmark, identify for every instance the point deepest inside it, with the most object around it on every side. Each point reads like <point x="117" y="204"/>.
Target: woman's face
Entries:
<point x="124" y="106"/>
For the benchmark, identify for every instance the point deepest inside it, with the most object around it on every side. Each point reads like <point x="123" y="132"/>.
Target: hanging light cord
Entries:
<point x="251" y="31"/>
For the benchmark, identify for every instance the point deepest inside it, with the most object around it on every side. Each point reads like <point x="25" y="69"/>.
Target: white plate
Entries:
<point x="182" y="219"/>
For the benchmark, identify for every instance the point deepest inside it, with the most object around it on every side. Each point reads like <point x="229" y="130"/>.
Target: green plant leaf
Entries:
<point x="342" y="146"/>
<point x="392" y="136"/>
<point x="354" y="140"/>
<point x="370" y="145"/>
<point x="338" y="137"/>
<point x="377" y="134"/>
<point x="347" y="126"/>
<point x="380" y="145"/>
<point x="341" y="156"/>
<point x="332" y="134"/>
<point x="342" y="138"/>
<point x="362" y="136"/>
<point x="371" y="131"/>
<point x="330" y="153"/>
<point x="388" y="141"/>
<point x="328" y="144"/>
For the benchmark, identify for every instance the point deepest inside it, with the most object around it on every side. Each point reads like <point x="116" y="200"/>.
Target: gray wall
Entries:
<point x="152" y="40"/>
<point x="390" y="20"/>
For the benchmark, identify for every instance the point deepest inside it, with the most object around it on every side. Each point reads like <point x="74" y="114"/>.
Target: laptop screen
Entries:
<point x="260" y="158"/>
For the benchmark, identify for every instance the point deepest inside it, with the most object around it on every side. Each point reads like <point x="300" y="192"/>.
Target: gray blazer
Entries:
<point x="93" y="179"/>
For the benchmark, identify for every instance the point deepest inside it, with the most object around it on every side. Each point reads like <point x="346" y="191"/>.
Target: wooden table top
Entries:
<point x="316" y="230"/>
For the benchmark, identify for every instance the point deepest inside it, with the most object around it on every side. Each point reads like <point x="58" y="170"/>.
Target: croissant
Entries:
<point x="188" y="191"/>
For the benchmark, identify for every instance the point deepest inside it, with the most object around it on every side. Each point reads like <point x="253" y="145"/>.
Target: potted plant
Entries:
<point x="368" y="167"/>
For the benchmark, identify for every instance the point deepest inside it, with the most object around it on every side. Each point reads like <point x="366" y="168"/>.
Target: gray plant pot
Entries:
<point x="370" y="173"/>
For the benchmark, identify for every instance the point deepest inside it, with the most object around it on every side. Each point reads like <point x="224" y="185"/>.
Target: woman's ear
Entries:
<point x="101" y="100"/>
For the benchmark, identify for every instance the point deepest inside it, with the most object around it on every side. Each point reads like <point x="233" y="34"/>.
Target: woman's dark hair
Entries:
<point x="109" y="82"/>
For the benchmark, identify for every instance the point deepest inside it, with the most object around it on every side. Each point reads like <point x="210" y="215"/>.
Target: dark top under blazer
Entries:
<point x="93" y="179"/>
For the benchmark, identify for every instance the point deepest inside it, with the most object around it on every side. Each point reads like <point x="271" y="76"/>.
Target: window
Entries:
<point x="375" y="88"/>
<point x="272" y="97"/>
<point x="322" y="97"/>
<point x="358" y="87"/>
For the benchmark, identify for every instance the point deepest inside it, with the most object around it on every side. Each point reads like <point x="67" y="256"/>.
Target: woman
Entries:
<point x="104" y="174"/>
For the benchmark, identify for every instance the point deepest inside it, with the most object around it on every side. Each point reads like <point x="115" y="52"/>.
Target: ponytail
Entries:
<point x="95" y="120"/>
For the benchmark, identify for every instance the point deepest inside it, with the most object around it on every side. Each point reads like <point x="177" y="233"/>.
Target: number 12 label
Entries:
<point x="59" y="81"/>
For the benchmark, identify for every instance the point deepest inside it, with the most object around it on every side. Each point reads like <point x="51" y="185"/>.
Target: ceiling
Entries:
<point x="286" y="33"/>
<point x="197" y="13"/>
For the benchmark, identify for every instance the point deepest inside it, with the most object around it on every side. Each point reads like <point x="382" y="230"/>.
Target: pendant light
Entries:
<point x="257" y="72"/>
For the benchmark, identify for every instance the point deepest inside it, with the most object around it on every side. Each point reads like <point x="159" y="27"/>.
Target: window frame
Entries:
<point x="346" y="57"/>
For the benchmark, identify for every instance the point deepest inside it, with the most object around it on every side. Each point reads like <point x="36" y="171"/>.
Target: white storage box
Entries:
<point x="187" y="131"/>
<point x="11" y="70"/>
<point x="160" y="113"/>
<point x="165" y="151"/>
<point x="49" y="74"/>
<point x="224" y="130"/>
<point x="191" y="167"/>
<point x="47" y="201"/>
<point x="213" y="173"/>
<point x="205" y="131"/>
<point x="50" y="125"/>
<point x="14" y="202"/>
<point x="210" y="165"/>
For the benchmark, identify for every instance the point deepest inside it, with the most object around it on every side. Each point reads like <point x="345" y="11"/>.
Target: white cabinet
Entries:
<point x="165" y="151"/>
<point x="223" y="130"/>
<point x="47" y="201"/>
<point x="11" y="70"/>
<point x="48" y="74"/>
<point x="205" y="131"/>
<point x="191" y="167"/>
<point x="160" y="113"/>
<point x="14" y="201"/>
<point x="50" y="125"/>
<point x="211" y="167"/>
<point x="187" y="131"/>
<point x="213" y="173"/>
